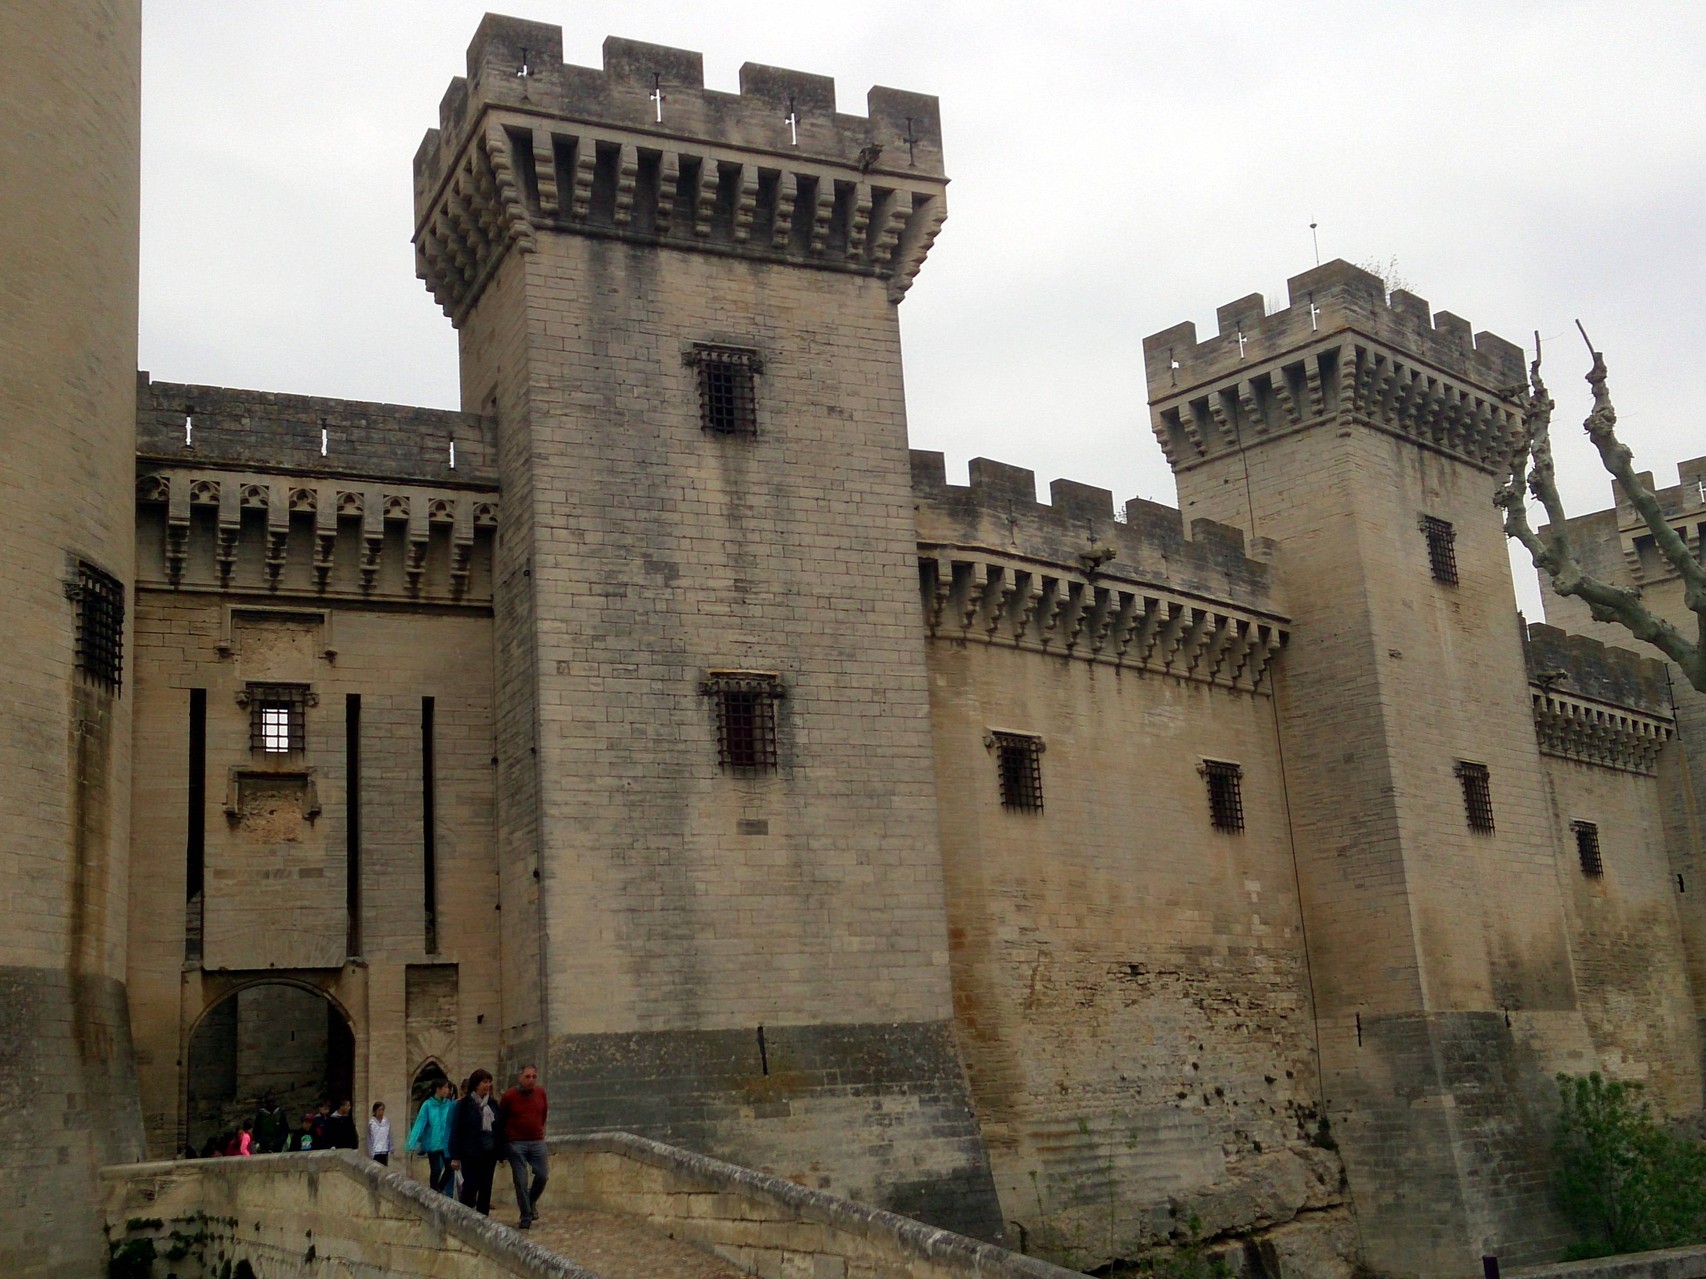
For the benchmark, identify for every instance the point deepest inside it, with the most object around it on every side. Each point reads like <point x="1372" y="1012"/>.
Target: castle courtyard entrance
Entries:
<point x="272" y="1040"/>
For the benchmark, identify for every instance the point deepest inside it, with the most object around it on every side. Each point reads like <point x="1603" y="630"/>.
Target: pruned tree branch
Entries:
<point x="1532" y="473"/>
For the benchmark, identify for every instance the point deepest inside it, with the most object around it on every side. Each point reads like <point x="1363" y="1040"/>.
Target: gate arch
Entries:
<point x="267" y="1037"/>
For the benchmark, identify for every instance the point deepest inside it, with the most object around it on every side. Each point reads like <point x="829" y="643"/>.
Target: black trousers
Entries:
<point x="440" y="1177"/>
<point x="477" y="1182"/>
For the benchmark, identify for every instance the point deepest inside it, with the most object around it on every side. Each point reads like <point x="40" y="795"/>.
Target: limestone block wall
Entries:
<point x="1615" y="545"/>
<point x="1130" y="983"/>
<point x="309" y="435"/>
<point x="1626" y="944"/>
<point x="765" y="1225"/>
<point x="647" y="886"/>
<point x="303" y="1217"/>
<point x="1440" y="953"/>
<point x="276" y="899"/>
<point x="659" y="554"/>
<point x="68" y="278"/>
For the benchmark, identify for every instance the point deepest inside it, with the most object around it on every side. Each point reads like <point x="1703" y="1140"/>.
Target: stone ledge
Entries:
<point x="129" y="1197"/>
<point x="913" y="1240"/>
<point x="1666" y="1263"/>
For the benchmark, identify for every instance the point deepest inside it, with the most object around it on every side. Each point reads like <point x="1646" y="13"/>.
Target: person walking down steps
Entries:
<point x="431" y="1134"/>
<point x="474" y="1142"/>
<point x="521" y="1116"/>
<point x="379" y="1135"/>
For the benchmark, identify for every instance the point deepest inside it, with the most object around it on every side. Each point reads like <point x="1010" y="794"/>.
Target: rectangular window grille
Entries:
<point x="1442" y="549"/>
<point x="1477" y="795"/>
<point x="278" y="718"/>
<point x="100" y="625"/>
<point x="1225" y="795"/>
<point x="1587" y="848"/>
<point x="1019" y="761"/>
<point x="728" y="402"/>
<point x="745" y="706"/>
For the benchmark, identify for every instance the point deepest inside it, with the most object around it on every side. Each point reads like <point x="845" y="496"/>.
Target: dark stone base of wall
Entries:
<point x="879" y="1113"/>
<point x="1445" y="1122"/>
<point x="69" y="1107"/>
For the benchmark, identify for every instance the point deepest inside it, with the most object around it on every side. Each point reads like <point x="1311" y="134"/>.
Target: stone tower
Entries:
<point x="1367" y="438"/>
<point x="722" y="904"/>
<point x="70" y="95"/>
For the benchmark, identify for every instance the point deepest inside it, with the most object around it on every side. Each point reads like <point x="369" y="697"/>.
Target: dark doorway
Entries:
<point x="268" y="1042"/>
<point x="427" y="1078"/>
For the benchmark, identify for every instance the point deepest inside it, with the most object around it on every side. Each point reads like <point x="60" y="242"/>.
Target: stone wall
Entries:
<point x="1130" y="982"/>
<point x="748" y="960"/>
<point x="1616" y="546"/>
<point x="275" y="899"/>
<point x="309" y="1216"/>
<point x="1439" y="952"/>
<point x="69" y="149"/>
<point x="765" y="1225"/>
<point x="331" y="1213"/>
<point x="310" y="436"/>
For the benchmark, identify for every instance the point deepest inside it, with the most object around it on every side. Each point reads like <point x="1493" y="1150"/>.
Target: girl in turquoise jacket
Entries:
<point x="431" y="1133"/>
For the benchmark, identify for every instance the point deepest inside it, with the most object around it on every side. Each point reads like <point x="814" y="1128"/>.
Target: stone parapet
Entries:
<point x="766" y="1225"/>
<point x="1582" y="667"/>
<point x="642" y="150"/>
<point x="1597" y="704"/>
<point x="329" y="1212"/>
<point x="216" y="426"/>
<point x="1068" y="578"/>
<point x="1342" y="350"/>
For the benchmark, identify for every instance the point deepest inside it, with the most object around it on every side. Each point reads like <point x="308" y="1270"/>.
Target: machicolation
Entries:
<point x="1342" y="349"/>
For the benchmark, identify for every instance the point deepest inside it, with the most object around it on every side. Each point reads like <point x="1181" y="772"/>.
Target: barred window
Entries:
<point x="100" y="625"/>
<point x="1442" y="549"/>
<point x="728" y="402"/>
<point x="1019" y="766"/>
<point x="1477" y="795"/>
<point x="1587" y="848"/>
<point x="1225" y="795"/>
<point x="745" y="706"/>
<point x="278" y="718"/>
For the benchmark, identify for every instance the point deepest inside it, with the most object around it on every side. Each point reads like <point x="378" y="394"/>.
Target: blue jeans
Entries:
<point x="525" y="1156"/>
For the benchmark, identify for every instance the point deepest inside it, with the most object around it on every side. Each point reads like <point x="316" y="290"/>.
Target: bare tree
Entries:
<point x="1531" y="471"/>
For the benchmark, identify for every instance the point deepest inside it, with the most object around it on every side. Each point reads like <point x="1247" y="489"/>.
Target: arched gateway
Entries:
<point x="278" y="1040"/>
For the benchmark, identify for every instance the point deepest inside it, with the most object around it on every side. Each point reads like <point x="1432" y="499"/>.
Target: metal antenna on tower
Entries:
<point x="1316" y="241"/>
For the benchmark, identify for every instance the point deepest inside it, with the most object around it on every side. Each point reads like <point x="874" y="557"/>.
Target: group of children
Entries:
<point x="268" y="1132"/>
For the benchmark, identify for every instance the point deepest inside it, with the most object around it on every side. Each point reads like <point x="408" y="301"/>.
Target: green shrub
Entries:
<point x="1624" y="1183"/>
<point x="133" y="1259"/>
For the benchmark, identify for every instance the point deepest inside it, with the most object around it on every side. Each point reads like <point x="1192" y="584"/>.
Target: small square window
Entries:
<point x="1225" y="795"/>
<point x="1019" y="768"/>
<point x="728" y="400"/>
<point x="278" y="718"/>
<point x="1442" y="549"/>
<point x="1477" y="795"/>
<point x="100" y="625"/>
<point x="745" y="705"/>
<point x="1587" y="848"/>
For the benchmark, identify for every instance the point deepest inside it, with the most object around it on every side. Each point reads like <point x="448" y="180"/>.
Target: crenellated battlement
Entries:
<point x="1068" y="577"/>
<point x="641" y="149"/>
<point x="1342" y="350"/>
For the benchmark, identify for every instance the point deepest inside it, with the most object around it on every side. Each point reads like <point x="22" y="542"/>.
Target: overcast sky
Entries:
<point x="1116" y="168"/>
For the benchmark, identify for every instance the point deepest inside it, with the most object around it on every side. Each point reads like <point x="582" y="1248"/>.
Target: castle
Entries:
<point x="1051" y="872"/>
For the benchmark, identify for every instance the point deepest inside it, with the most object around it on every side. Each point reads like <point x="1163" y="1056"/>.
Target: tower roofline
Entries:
<point x="1331" y="298"/>
<point x="641" y="151"/>
<point x="1342" y="351"/>
<point x="518" y="64"/>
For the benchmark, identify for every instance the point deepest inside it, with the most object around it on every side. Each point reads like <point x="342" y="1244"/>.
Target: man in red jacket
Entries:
<point x="521" y="1119"/>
